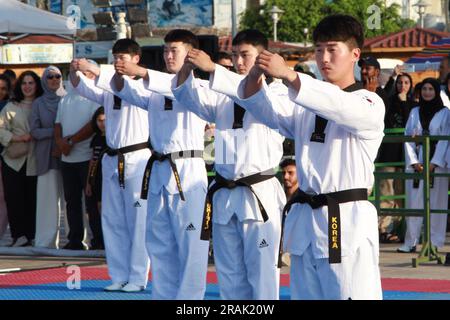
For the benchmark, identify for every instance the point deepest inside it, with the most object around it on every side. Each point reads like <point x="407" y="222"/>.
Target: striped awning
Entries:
<point x="433" y="53"/>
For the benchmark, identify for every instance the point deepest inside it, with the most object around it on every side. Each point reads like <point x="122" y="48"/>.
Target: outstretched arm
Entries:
<point x="84" y="86"/>
<point x="361" y="113"/>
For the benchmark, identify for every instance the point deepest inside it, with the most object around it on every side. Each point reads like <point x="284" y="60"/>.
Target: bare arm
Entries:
<point x="62" y="144"/>
<point x="84" y="133"/>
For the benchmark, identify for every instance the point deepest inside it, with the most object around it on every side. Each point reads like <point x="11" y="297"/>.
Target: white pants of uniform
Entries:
<point x="179" y="258"/>
<point x="357" y="277"/>
<point x="123" y="224"/>
<point x="49" y="206"/>
<point x="438" y="200"/>
<point x="246" y="256"/>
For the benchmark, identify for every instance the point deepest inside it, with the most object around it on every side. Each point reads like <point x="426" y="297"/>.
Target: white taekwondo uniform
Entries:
<point x="123" y="212"/>
<point x="344" y="161"/>
<point x="245" y="247"/>
<point x="438" y="194"/>
<point x="179" y="258"/>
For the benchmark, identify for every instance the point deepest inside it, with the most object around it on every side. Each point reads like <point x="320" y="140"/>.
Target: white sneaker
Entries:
<point x="21" y="241"/>
<point x="406" y="249"/>
<point x="132" y="288"/>
<point x="115" y="286"/>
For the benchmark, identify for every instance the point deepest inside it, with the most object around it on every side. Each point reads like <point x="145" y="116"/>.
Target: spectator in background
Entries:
<point x="19" y="162"/>
<point x="49" y="183"/>
<point x="400" y="104"/>
<point x="416" y="92"/>
<point x="73" y="133"/>
<point x="370" y="71"/>
<point x="445" y="91"/>
<point x="12" y="77"/>
<point x="429" y="118"/>
<point x="290" y="185"/>
<point x="289" y="176"/>
<point x="444" y="70"/>
<point x="5" y="90"/>
<point x="225" y="60"/>
<point x="93" y="188"/>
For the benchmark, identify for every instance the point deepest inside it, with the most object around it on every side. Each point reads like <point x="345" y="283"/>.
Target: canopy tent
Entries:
<point x="17" y="17"/>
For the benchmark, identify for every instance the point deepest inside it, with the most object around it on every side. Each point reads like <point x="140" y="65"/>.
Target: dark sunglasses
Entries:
<point x="231" y="68"/>
<point x="51" y="76"/>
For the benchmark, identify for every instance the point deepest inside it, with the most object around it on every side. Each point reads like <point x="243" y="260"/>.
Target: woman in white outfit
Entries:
<point x="429" y="118"/>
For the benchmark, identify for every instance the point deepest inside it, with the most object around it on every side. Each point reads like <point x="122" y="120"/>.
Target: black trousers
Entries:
<point x="20" y="197"/>
<point x="95" y="220"/>
<point x="74" y="180"/>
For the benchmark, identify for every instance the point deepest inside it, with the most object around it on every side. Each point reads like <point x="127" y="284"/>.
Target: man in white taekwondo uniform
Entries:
<point x="331" y="231"/>
<point x="177" y="173"/>
<point x="123" y="212"/>
<point x="246" y="197"/>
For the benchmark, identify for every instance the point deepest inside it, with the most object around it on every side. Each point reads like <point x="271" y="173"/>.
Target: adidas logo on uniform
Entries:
<point x="190" y="227"/>
<point x="263" y="244"/>
<point x="137" y="204"/>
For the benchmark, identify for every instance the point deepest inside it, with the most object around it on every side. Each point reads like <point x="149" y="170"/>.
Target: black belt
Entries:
<point x="156" y="156"/>
<point x="332" y="200"/>
<point x="221" y="182"/>
<point x="121" y="159"/>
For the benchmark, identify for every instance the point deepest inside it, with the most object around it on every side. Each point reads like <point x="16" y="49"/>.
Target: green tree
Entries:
<point x="307" y="13"/>
<point x="364" y="10"/>
<point x="297" y="16"/>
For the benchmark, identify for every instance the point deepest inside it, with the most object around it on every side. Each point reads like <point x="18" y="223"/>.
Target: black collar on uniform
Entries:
<point x="118" y="100"/>
<point x="319" y="127"/>
<point x="239" y="112"/>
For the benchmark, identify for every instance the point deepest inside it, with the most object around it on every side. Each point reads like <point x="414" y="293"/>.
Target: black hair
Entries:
<point x="10" y="74"/>
<point x="223" y="55"/>
<point x="411" y="88"/>
<point x="99" y="111"/>
<point x="8" y="85"/>
<point x="127" y="46"/>
<point x="446" y="79"/>
<point x="18" y="94"/>
<point x="299" y="68"/>
<point x="251" y="36"/>
<point x="287" y="162"/>
<point x="340" y="27"/>
<point x="182" y="35"/>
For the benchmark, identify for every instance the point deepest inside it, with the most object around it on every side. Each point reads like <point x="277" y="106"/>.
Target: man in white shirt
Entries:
<point x="123" y="212"/>
<point x="73" y="132"/>
<point x="246" y="198"/>
<point x="175" y="179"/>
<point x="331" y="230"/>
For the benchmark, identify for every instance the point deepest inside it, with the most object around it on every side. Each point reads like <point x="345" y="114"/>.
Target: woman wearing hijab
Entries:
<point x="400" y="105"/>
<point x="19" y="162"/>
<point x="49" y="185"/>
<point x="429" y="118"/>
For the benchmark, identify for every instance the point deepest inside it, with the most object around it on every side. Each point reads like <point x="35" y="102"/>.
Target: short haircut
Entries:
<point x="182" y="35"/>
<point x="18" y="94"/>
<point x="8" y="83"/>
<point x="127" y="46"/>
<point x="340" y="27"/>
<point x="223" y="55"/>
<point x="100" y="110"/>
<point x="10" y="74"/>
<point x="251" y="36"/>
<point x="287" y="162"/>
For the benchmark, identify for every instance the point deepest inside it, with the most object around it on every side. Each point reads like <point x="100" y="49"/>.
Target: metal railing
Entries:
<point x="428" y="252"/>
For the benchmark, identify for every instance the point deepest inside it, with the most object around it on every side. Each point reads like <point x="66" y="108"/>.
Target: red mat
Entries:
<point x="56" y="275"/>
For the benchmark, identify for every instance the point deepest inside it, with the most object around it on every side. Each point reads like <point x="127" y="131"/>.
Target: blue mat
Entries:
<point x="93" y="290"/>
